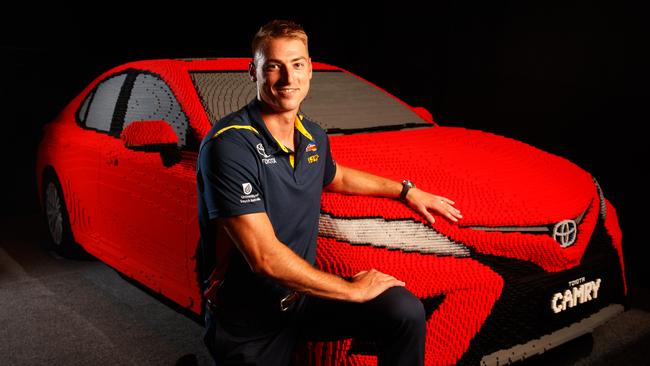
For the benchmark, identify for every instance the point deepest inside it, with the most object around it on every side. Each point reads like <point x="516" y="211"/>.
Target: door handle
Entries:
<point x="111" y="159"/>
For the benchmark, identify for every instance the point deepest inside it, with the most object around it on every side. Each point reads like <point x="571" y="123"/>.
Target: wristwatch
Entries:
<point x="406" y="185"/>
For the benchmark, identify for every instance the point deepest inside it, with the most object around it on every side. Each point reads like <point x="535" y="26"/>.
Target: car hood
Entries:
<point x="494" y="180"/>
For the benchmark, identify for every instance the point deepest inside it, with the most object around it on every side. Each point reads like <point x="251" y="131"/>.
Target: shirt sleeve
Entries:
<point x="231" y="184"/>
<point x="330" y="164"/>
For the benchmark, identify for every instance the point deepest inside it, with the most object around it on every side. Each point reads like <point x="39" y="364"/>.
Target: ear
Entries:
<point x="252" y="72"/>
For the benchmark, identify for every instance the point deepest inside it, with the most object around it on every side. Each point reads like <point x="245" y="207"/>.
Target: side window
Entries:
<point x="81" y="113"/>
<point x="152" y="99"/>
<point x="102" y="104"/>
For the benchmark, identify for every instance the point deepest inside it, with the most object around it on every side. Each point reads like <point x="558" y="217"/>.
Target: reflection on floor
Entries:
<point x="80" y="312"/>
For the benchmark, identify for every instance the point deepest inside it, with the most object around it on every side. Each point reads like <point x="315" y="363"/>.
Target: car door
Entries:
<point x="146" y="194"/>
<point x="94" y="116"/>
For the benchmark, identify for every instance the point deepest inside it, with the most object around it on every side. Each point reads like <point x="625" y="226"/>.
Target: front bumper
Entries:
<point x="539" y="310"/>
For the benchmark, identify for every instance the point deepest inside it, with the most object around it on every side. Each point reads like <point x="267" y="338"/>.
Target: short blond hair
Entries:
<point x="278" y="29"/>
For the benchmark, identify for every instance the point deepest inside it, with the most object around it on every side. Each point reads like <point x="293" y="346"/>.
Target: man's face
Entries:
<point x="282" y="71"/>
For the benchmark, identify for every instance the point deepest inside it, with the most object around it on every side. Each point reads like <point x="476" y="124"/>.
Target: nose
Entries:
<point x="287" y="75"/>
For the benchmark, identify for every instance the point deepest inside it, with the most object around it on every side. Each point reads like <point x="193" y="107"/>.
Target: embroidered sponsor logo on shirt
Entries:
<point x="260" y="149"/>
<point x="266" y="158"/>
<point x="312" y="159"/>
<point x="310" y="148"/>
<point x="247" y="188"/>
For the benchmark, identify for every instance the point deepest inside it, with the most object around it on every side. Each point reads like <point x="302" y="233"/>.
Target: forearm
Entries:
<point x="286" y="267"/>
<point x="266" y="255"/>
<point x="353" y="181"/>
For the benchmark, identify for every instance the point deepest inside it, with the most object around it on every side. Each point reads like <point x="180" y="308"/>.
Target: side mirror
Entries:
<point x="424" y="114"/>
<point x="149" y="135"/>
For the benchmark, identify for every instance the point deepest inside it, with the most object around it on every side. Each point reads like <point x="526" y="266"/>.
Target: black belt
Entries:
<point x="289" y="300"/>
<point x="285" y="303"/>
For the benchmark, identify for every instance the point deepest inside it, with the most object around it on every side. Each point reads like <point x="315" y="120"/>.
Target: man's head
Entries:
<point x="281" y="66"/>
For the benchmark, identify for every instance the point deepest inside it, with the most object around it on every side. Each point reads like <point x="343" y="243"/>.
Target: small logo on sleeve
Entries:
<point x="310" y="148"/>
<point x="247" y="187"/>
<point x="247" y="197"/>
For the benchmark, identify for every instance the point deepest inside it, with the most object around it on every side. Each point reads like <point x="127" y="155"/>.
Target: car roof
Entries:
<point x="175" y="71"/>
<point x="203" y="64"/>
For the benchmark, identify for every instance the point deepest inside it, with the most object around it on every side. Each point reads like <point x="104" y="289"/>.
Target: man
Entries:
<point x="260" y="174"/>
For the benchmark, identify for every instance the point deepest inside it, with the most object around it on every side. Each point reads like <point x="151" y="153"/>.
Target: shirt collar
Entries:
<point x="255" y="114"/>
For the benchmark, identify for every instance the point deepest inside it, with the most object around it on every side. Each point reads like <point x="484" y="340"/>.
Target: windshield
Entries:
<point x="337" y="101"/>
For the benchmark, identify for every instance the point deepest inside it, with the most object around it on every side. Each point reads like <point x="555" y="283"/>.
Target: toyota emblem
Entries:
<point x="565" y="232"/>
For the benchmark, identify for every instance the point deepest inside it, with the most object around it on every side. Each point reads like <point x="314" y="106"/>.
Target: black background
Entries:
<point x="566" y="77"/>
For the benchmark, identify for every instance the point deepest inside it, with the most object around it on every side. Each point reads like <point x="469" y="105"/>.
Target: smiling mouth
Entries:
<point x="287" y="91"/>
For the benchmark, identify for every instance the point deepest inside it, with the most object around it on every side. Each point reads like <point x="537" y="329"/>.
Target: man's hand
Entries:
<point x="352" y="181"/>
<point x="422" y="202"/>
<point x="370" y="284"/>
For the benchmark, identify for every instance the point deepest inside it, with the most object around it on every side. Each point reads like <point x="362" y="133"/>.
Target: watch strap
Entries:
<point x="406" y="185"/>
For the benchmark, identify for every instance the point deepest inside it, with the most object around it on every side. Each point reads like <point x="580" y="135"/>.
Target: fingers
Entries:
<point x="444" y="209"/>
<point x="372" y="283"/>
<point x="449" y="211"/>
<point x="428" y="215"/>
<point x="396" y="282"/>
<point x="451" y="217"/>
<point x="452" y="213"/>
<point x="389" y="280"/>
<point x="382" y="283"/>
<point x="359" y="274"/>
<point x="448" y="203"/>
<point x="423" y="201"/>
<point x="374" y="275"/>
<point x="446" y="200"/>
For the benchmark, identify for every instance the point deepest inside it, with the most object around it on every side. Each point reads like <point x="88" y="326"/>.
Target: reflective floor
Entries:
<point x="58" y="311"/>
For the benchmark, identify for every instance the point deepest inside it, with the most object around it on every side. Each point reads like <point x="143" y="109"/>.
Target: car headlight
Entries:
<point x="402" y="234"/>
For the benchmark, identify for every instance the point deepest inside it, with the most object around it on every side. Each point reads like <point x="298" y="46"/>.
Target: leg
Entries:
<point x="395" y="320"/>
<point x="234" y="348"/>
<point x="208" y="333"/>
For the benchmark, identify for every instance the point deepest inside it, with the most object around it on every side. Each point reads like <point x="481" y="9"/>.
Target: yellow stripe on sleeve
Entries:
<point x="239" y="127"/>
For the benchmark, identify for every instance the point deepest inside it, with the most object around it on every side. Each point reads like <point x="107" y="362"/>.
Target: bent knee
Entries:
<point x="401" y="305"/>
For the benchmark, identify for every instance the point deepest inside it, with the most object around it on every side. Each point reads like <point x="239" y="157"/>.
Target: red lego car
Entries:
<point x="536" y="260"/>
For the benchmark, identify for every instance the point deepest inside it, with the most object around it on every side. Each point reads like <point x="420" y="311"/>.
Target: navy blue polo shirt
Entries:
<point x="243" y="169"/>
